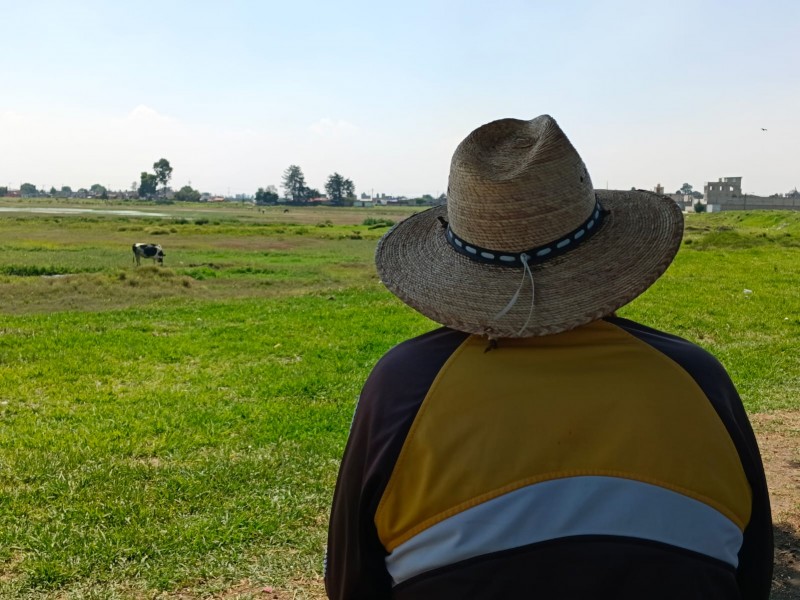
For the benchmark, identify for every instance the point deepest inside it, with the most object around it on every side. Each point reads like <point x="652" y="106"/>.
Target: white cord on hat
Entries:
<point x="524" y="258"/>
<point x="537" y="255"/>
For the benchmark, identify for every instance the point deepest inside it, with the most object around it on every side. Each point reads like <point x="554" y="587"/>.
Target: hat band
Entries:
<point x="535" y="255"/>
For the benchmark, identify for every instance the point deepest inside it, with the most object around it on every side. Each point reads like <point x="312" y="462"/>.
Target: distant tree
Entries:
<point x="699" y="208"/>
<point x="339" y="188"/>
<point x="148" y="185"/>
<point x="104" y="195"/>
<point x="28" y="189"/>
<point x="442" y="199"/>
<point x="3" y="191"/>
<point x="163" y="172"/>
<point x="66" y="191"/>
<point x="97" y="190"/>
<point x="697" y="195"/>
<point x="268" y="195"/>
<point x="53" y="191"/>
<point x="310" y="193"/>
<point x="187" y="194"/>
<point x="793" y="193"/>
<point x="686" y="189"/>
<point x="294" y="183"/>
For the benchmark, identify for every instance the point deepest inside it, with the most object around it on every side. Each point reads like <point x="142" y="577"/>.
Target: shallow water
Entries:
<point x="79" y="211"/>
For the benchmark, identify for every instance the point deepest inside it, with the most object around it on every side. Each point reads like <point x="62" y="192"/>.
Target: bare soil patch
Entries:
<point x="250" y="590"/>
<point x="778" y="436"/>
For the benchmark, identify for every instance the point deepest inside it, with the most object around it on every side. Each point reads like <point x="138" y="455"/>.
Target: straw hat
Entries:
<point x="525" y="245"/>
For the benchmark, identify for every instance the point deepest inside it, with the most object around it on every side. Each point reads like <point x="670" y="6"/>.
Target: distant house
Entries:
<point x="728" y="190"/>
<point x="392" y="200"/>
<point x="727" y="194"/>
<point x="685" y="201"/>
<point x="363" y="203"/>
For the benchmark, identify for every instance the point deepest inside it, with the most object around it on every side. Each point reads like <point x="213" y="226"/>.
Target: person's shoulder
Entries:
<point x="687" y="354"/>
<point x="433" y="346"/>
<point x="414" y="361"/>
<point x="400" y="380"/>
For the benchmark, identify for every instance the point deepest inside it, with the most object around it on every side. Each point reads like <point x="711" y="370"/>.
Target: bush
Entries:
<point x="31" y="270"/>
<point x="375" y="223"/>
<point x="699" y="208"/>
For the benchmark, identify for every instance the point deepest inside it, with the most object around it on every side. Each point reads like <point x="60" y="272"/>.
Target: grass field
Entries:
<point x="175" y="432"/>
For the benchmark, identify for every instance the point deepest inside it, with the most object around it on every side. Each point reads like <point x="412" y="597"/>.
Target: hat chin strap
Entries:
<point x="527" y="271"/>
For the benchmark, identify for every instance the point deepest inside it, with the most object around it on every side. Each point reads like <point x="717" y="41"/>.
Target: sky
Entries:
<point x="233" y="92"/>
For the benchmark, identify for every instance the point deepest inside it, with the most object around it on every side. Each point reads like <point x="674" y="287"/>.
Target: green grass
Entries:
<point x="169" y="445"/>
<point x="177" y="430"/>
<point x="756" y="335"/>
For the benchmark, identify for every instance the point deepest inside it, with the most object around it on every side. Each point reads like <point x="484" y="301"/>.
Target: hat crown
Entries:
<point x="516" y="185"/>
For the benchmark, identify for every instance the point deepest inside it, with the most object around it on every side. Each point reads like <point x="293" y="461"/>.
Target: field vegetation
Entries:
<point x="174" y="432"/>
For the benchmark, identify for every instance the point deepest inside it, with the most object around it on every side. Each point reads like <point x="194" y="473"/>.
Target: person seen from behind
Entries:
<point x="537" y="445"/>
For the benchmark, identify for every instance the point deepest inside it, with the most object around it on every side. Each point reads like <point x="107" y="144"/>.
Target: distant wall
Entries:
<point x="748" y="202"/>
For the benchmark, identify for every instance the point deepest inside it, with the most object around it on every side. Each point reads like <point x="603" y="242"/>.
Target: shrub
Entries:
<point x="31" y="270"/>
<point x="375" y="223"/>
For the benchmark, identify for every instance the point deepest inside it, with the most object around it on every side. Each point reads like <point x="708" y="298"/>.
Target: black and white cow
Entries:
<point x="153" y="251"/>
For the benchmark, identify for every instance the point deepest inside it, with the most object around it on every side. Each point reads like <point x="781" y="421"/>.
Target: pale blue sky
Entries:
<point x="233" y="92"/>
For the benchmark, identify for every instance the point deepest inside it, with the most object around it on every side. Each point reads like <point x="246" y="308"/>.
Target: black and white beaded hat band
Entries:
<point x="521" y="205"/>
<point x="532" y="256"/>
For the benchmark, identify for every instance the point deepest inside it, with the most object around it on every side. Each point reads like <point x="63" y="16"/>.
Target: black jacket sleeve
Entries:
<point x="355" y="562"/>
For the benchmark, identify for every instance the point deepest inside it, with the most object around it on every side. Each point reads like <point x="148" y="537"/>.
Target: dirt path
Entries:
<point x="779" y="439"/>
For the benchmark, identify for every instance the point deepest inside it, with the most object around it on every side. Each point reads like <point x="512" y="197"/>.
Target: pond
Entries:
<point x="79" y="211"/>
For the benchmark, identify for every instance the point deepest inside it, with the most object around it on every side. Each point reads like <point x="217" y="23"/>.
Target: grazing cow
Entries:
<point x="153" y="251"/>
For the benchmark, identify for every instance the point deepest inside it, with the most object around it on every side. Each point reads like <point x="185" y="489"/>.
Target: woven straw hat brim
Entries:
<point x="638" y="239"/>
